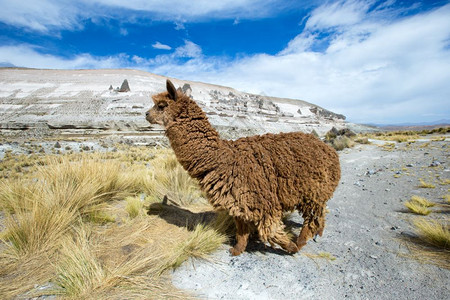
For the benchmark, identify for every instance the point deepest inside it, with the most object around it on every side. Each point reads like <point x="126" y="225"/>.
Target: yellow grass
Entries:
<point x="326" y="255"/>
<point x="426" y="185"/>
<point x="202" y="241"/>
<point x="78" y="271"/>
<point x="422" y="201"/>
<point x="417" y="208"/>
<point x="166" y="178"/>
<point x="399" y="136"/>
<point x="362" y="140"/>
<point x="134" y="206"/>
<point x="419" y="205"/>
<point x="342" y="142"/>
<point x="447" y="198"/>
<point x="388" y="146"/>
<point x="433" y="232"/>
<point x="78" y="221"/>
<point x="438" y="138"/>
<point x="445" y="181"/>
<point x="322" y="255"/>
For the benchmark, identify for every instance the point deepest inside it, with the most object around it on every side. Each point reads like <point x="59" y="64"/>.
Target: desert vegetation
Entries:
<point x="401" y="136"/>
<point x="344" y="138"/>
<point x="77" y="225"/>
<point x="431" y="241"/>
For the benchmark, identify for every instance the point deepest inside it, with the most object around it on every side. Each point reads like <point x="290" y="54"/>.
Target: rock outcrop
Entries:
<point x="79" y="100"/>
<point x="125" y="87"/>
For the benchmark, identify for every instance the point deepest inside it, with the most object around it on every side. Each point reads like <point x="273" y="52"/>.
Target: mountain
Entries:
<point x="90" y="100"/>
<point x="414" y="126"/>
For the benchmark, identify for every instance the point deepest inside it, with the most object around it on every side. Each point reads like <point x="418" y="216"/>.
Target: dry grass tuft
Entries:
<point x="417" y="208"/>
<point x="321" y="255"/>
<point x="134" y="206"/>
<point x="202" y="241"/>
<point x="167" y="178"/>
<point x="426" y="185"/>
<point x="445" y="181"/>
<point x="362" y="140"/>
<point x="78" y="272"/>
<point x="341" y="142"/>
<point x="224" y="224"/>
<point x="433" y="233"/>
<point x="447" y="198"/>
<point x="419" y="205"/>
<point x="388" y="146"/>
<point x="52" y="213"/>
<point x="422" y="201"/>
<point x="397" y="136"/>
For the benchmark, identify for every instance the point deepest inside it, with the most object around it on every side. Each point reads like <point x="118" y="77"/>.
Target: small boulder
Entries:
<point x="435" y="163"/>
<point x="124" y="87"/>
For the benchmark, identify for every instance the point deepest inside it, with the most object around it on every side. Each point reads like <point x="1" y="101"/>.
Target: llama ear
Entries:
<point x="171" y="89"/>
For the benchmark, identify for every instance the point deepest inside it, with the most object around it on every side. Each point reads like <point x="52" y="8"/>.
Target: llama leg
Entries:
<point x="311" y="228"/>
<point x="280" y="237"/>
<point x="321" y="225"/>
<point x="313" y="225"/>
<point x="273" y="232"/>
<point x="304" y="236"/>
<point x="242" y="234"/>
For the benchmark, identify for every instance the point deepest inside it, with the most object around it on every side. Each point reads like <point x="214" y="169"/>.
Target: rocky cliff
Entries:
<point x="86" y="100"/>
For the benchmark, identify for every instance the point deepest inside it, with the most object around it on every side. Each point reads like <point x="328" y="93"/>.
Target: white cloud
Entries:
<point x="160" y="46"/>
<point x="189" y="49"/>
<point x="48" y="16"/>
<point x="123" y="31"/>
<point x="199" y="9"/>
<point x="376" y="70"/>
<point x="41" y="15"/>
<point x="179" y="26"/>
<point x="339" y="13"/>
<point x="29" y="56"/>
<point x="374" y="64"/>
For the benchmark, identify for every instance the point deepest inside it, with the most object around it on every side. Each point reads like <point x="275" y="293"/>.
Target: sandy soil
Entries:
<point x="365" y="225"/>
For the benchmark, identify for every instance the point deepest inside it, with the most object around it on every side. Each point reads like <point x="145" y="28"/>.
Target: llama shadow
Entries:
<point x="181" y="217"/>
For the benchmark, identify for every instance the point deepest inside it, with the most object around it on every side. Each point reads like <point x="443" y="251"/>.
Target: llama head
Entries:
<point x="166" y="105"/>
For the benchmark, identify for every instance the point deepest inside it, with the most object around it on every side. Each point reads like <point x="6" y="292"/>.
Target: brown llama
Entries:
<point x="254" y="178"/>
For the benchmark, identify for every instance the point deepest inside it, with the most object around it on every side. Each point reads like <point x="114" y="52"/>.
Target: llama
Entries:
<point x="255" y="178"/>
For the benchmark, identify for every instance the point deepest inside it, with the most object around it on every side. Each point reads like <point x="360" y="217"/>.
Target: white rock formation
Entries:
<point x="80" y="99"/>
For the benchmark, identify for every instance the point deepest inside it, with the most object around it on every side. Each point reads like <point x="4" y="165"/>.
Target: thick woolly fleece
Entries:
<point x="254" y="178"/>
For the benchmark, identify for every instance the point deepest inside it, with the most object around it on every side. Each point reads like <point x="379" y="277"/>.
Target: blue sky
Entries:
<point x="373" y="61"/>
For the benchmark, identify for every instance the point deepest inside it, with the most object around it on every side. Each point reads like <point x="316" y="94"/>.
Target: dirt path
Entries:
<point x="367" y="217"/>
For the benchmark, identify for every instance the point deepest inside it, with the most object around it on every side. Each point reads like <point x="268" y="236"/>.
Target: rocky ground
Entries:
<point x="361" y="255"/>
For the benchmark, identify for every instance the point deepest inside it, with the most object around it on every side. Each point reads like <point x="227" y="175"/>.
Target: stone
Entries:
<point x="187" y="90"/>
<point x="435" y="163"/>
<point x="371" y="172"/>
<point x="125" y="87"/>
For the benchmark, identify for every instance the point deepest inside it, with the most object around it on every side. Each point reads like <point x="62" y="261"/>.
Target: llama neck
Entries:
<point x="194" y="140"/>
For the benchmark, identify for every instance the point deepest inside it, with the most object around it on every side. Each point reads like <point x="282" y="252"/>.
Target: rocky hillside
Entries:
<point x="96" y="101"/>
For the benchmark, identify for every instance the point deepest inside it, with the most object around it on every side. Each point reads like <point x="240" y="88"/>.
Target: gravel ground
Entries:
<point x="364" y="228"/>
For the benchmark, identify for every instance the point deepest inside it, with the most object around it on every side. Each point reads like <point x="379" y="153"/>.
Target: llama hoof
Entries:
<point x="292" y="248"/>
<point x="300" y="245"/>
<point x="235" y="252"/>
